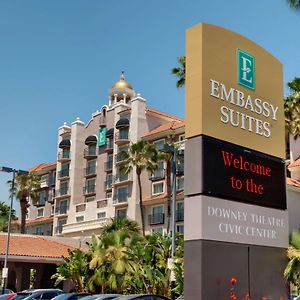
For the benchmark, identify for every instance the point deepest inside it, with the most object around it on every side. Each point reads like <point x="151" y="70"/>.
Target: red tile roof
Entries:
<point x="295" y="163"/>
<point x="39" y="220"/>
<point x="293" y="182"/>
<point x="157" y="112"/>
<point x="41" y="167"/>
<point x="33" y="246"/>
<point x="164" y="127"/>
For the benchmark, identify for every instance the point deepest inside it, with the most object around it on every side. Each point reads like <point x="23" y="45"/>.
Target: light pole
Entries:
<point x="5" y="268"/>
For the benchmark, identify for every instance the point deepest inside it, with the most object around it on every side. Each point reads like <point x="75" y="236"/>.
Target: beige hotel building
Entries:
<point x="84" y="189"/>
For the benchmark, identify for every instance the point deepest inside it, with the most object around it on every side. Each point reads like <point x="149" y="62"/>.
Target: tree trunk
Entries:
<point x="23" y="204"/>
<point x="141" y="203"/>
<point x="168" y="174"/>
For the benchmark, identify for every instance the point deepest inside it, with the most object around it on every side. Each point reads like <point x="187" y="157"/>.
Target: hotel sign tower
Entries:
<point x="236" y="223"/>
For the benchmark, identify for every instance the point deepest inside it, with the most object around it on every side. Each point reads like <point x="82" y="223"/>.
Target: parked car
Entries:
<point x="7" y="296"/>
<point x="70" y="296"/>
<point x="38" y="294"/>
<point x="6" y="291"/>
<point x="141" y="297"/>
<point x="101" y="297"/>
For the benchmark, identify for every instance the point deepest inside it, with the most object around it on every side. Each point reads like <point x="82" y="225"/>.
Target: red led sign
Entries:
<point x="241" y="174"/>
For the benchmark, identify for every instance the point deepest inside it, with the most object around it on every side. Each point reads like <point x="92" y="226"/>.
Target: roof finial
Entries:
<point x="122" y="77"/>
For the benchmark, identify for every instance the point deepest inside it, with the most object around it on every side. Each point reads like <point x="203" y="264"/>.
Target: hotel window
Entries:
<point x="90" y="199"/>
<point x="157" y="188"/>
<point x="40" y="212"/>
<point x="79" y="219"/>
<point x="39" y="230"/>
<point x="90" y="186"/>
<point x="180" y="228"/>
<point x="159" y="144"/>
<point x="180" y="183"/>
<point x="90" y="167"/>
<point x="121" y="213"/>
<point x="108" y="195"/>
<point x="101" y="215"/>
<point x="52" y="209"/>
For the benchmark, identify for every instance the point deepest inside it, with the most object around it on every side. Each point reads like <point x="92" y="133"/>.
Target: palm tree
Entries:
<point x="121" y="224"/>
<point x="140" y="156"/>
<point x="26" y="186"/>
<point x="292" y="108"/>
<point x="110" y="261"/>
<point x="294" y="4"/>
<point x="179" y="72"/>
<point x="292" y="270"/>
<point x="4" y="215"/>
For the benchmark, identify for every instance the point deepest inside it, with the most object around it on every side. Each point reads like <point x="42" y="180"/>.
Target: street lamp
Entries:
<point x="5" y="268"/>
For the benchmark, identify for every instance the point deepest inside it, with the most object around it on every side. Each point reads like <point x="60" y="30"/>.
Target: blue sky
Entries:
<point x="59" y="58"/>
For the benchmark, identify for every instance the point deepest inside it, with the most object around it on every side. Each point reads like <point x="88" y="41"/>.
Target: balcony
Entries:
<point x="157" y="174"/>
<point x="122" y="137"/>
<point x="62" y="192"/>
<point x="108" y="166"/>
<point x="109" y="147"/>
<point x="179" y="215"/>
<point x="121" y="178"/>
<point x="63" y="156"/>
<point x="108" y="184"/>
<point x="62" y="209"/>
<point x="90" y="171"/>
<point x="89" y="189"/>
<point x="180" y="169"/>
<point x="120" y="198"/>
<point x="90" y="152"/>
<point x="47" y="181"/>
<point x="89" y="225"/>
<point x="120" y="157"/>
<point x="41" y="201"/>
<point x="156" y="219"/>
<point x="63" y="173"/>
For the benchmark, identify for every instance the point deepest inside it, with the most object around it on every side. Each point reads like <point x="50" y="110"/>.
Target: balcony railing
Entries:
<point x="120" y="177"/>
<point x="108" y="184"/>
<point x="109" y="145"/>
<point x="63" y="173"/>
<point x="158" y="218"/>
<point x="61" y="209"/>
<point x="58" y="229"/>
<point x="90" y="170"/>
<point x="122" y="136"/>
<point x="90" y="152"/>
<point x="179" y="215"/>
<point x="120" y="157"/>
<point x="157" y="174"/>
<point x="62" y="192"/>
<point x="180" y="169"/>
<point x="90" y="189"/>
<point x="108" y="165"/>
<point x="64" y="155"/>
<point x="120" y="198"/>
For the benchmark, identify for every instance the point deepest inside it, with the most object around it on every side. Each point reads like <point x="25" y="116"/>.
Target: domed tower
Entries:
<point x="121" y="91"/>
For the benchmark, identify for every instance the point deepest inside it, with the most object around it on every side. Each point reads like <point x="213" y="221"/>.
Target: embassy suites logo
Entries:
<point x="246" y="69"/>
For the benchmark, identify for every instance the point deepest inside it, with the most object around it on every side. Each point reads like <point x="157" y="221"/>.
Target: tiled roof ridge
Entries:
<point x="163" y="114"/>
<point x="294" y="163"/>
<point x="41" y="166"/>
<point x="166" y="126"/>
